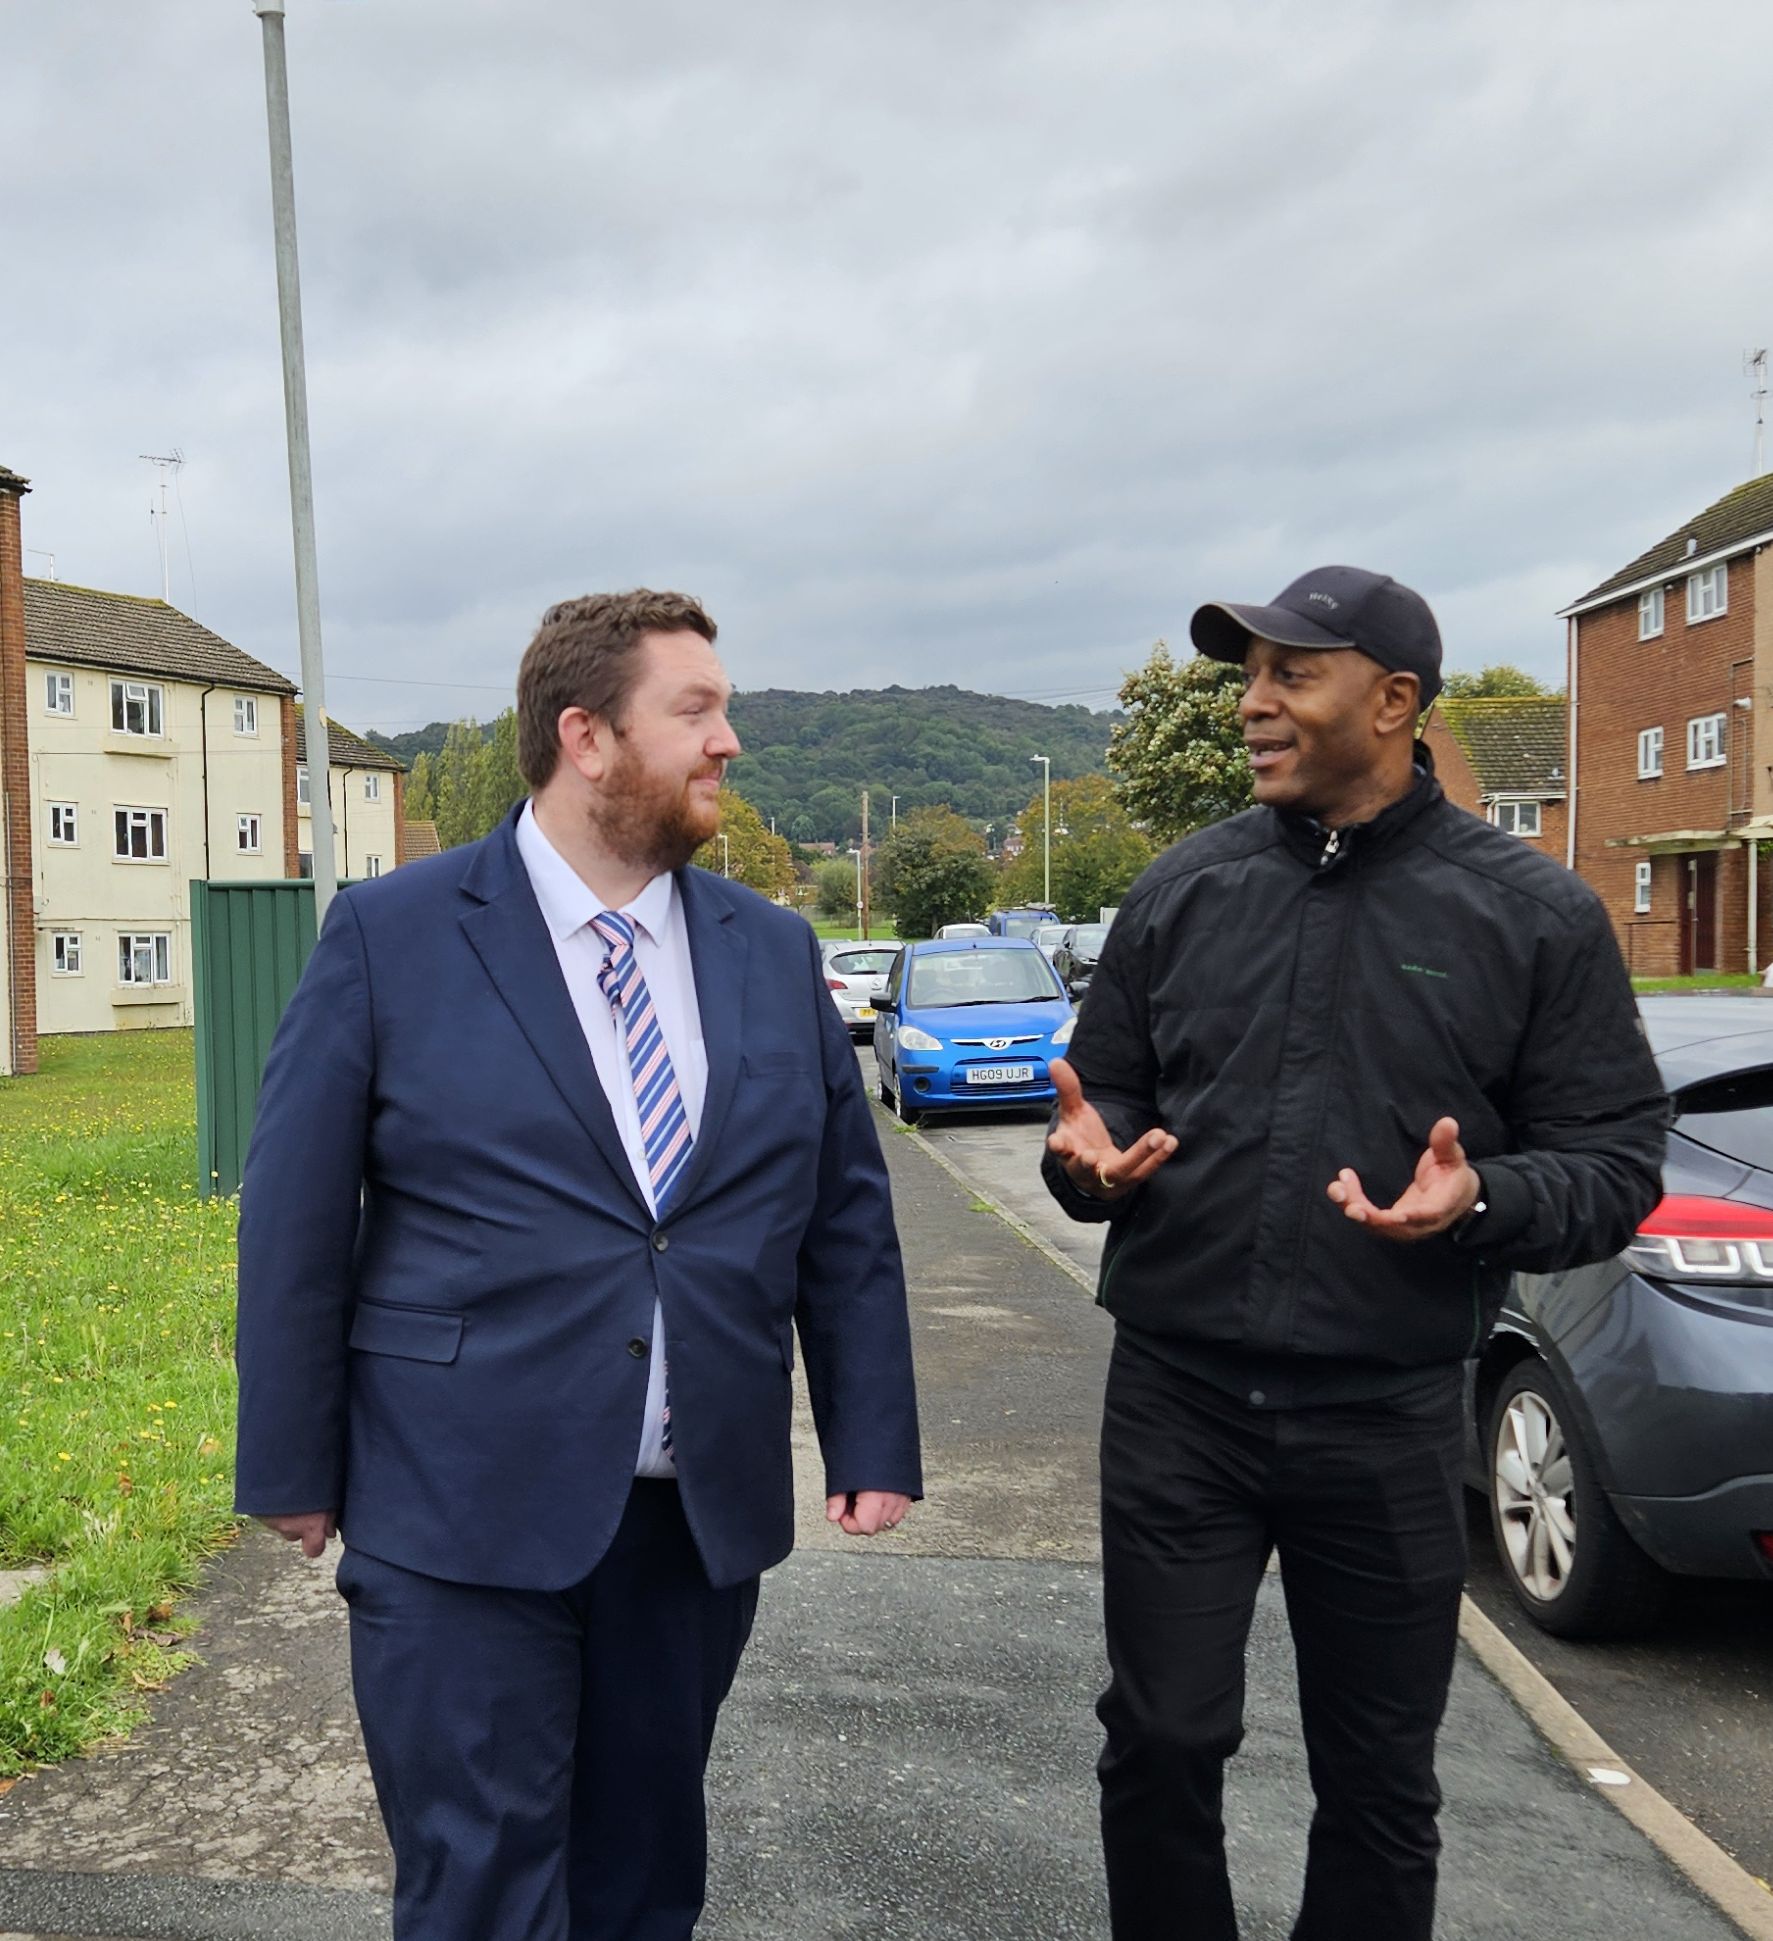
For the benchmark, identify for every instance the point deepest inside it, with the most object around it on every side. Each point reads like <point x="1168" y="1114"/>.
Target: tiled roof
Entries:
<point x="1517" y="744"/>
<point x="1738" y="517"/>
<point x="344" y="749"/>
<point x="421" y="840"/>
<point x="85" y="628"/>
<point x="11" y="480"/>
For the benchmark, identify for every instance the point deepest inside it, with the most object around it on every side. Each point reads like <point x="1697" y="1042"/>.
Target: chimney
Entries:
<point x="18" y="928"/>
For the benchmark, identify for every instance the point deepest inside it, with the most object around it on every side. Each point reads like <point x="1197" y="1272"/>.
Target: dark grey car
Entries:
<point x="1075" y="958"/>
<point x="1622" y="1415"/>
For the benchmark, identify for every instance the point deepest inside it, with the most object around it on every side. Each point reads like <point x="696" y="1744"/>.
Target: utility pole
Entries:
<point x="863" y="866"/>
<point x="1754" y="365"/>
<point x="1046" y="828"/>
<point x="301" y="477"/>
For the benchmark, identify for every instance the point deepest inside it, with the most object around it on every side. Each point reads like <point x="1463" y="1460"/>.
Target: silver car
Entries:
<point x="856" y="975"/>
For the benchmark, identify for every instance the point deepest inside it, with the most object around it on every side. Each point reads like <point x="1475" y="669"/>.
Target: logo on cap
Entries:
<point x="1324" y="599"/>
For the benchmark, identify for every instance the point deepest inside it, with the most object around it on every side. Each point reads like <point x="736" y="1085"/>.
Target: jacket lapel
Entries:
<point x="505" y="928"/>
<point x="719" y="956"/>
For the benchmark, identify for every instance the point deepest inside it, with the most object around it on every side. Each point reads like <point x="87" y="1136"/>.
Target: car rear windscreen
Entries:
<point x="1732" y="1115"/>
<point x="981" y="977"/>
<point x="1088" y="938"/>
<point x="864" y="963"/>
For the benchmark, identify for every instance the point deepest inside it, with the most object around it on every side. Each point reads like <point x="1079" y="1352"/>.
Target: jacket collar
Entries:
<point x="1327" y="848"/>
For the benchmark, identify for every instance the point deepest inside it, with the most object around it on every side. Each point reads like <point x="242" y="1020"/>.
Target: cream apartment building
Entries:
<point x="367" y="790"/>
<point x="158" y="753"/>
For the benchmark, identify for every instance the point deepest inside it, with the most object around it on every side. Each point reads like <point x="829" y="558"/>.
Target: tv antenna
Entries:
<point x="1754" y="365"/>
<point x="168" y="467"/>
<point x="37" y="552"/>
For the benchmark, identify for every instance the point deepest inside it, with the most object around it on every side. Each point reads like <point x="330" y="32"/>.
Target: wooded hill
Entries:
<point x="809" y="756"/>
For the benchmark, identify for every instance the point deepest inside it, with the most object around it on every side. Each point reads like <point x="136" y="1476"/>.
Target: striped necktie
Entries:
<point x="664" y="1125"/>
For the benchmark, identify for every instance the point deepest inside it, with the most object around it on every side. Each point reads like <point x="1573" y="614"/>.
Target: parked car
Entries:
<point x="962" y="930"/>
<point x="1022" y="922"/>
<point x="1046" y="938"/>
<point x="966" y="1022"/>
<point x="1621" y="1415"/>
<point x="856" y="974"/>
<point x="1080" y="949"/>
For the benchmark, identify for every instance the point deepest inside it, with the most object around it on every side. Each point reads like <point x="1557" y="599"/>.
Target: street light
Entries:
<point x="858" y="856"/>
<point x="726" y="853"/>
<point x="1046" y="828"/>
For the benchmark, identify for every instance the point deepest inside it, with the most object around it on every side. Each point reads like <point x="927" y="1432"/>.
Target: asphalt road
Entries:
<point x="1691" y="1707"/>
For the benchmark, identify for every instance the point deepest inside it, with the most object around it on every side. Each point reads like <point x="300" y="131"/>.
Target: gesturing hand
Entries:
<point x="1082" y="1145"/>
<point x="1443" y="1191"/>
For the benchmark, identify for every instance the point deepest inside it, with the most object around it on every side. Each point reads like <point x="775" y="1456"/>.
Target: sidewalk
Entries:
<point x="908" y="1753"/>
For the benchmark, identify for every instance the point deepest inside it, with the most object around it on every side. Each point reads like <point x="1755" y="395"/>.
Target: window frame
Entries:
<point x="372" y="865"/>
<point x="372" y="787"/>
<point x="246" y="710"/>
<point x="65" y="954"/>
<point x="1518" y="804"/>
<point x="1650" y="601"/>
<point x="70" y="813"/>
<point x="1642" y="876"/>
<point x="1718" y="576"/>
<point x="1696" y="761"/>
<point x="304" y="788"/>
<point x="56" y="682"/>
<point x="152" y="697"/>
<point x="1651" y="770"/>
<point x="159" y="946"/>
<point x="249" y="823"/>
<point x="152" y="818"/>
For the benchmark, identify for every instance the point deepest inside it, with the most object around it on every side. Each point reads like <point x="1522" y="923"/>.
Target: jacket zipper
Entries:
<point x="1332" y="847"/>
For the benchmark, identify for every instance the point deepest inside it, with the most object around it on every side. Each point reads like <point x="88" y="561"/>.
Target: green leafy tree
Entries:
<point x="498" y="781"/>
<point x="933" y="870"/>
<point x="751" y="854"/>
<point x="834" y="884"/>
<point x="455" y="785"/>
<point x="420" y="807"/>
<point x="1178" y="758"/>
<point x="1493" y="683"/>
<point x="1097" y="853"/>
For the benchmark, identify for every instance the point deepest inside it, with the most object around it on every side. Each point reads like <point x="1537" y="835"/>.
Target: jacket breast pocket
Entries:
<point x="413" y="1333"/>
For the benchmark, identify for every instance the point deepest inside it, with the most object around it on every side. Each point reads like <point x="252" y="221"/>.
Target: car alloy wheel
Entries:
<point x="908" y="1115"/>
<point x="1568" y="1560"/>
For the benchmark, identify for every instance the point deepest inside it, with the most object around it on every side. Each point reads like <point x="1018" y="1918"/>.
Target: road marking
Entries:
<point x="1728" y="1885"/>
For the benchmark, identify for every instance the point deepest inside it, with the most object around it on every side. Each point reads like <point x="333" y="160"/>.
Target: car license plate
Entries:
<point x="999" y="1075"/>
<point x="864" y="1011"/>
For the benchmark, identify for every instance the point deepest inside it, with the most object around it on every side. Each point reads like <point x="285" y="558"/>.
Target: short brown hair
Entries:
<point x="585" y="655"/>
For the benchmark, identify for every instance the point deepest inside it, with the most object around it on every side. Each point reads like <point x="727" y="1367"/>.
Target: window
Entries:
<point x="66" y="945"/>
<point x="1641" y="899"/>
<point x="64" y="823"/>
<point x="246" y="835"/>
<point x="137" y="708"/>
<point x="304" y="863"/>
<point x="1516" y="818"/>
<point x="372" y="865"/>
<point x="303" y="800"/>
<point x="246" y="715"/>
<point x="1650" y="613"/>
<point x="58" y="696"/>
<point x="1705" y="741"/>
<point x="141" y="835"/>
<point x="144" y="958"/>
<point x="1649" y="754"/>
<point x="372" y="788"/>
<point x="1707" y="593"/>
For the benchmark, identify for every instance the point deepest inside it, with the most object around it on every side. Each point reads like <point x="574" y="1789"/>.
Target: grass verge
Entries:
<point x="1704" y="981"/>
<point x="116" y="1382"/>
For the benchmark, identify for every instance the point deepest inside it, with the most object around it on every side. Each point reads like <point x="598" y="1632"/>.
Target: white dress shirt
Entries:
<point x="661" y="948"/>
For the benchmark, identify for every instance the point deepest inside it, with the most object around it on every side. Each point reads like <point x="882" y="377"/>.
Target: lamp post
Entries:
<point x="726" y="853"/>
<point x="858" y="856"/>
<point x="1046" y="828"/>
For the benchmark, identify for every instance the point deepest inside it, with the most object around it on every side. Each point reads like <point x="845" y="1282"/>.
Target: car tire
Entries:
<point x="907" y="1115"/>
<point x="1567" y="1558"/>
<point x="882" y="1090"/>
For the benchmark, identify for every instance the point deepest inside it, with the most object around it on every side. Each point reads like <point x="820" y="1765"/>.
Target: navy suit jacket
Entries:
<point x="446" y="1266"/>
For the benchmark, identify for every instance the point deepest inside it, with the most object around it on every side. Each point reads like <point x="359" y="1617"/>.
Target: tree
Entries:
<point x="834" y="883"/>
<point x="1178" y="758"/>
<point x="498" y="781"/>
<point x="751" y="854"/>
<point x="1097" y="852"/>
<point x="419" y="804"/>
<point x="1493" y="683"/>
<point x="933" y="870"/>
<point x="454" y="788"/>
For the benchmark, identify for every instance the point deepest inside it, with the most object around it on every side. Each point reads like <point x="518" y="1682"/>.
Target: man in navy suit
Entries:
<point x="560" y="1142"/>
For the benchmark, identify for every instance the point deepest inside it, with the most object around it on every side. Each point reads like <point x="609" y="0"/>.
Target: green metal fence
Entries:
<point x="249" y="942"/>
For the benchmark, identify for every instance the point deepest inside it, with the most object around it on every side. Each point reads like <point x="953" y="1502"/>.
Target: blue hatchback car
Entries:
<point x="969" y="1021"/>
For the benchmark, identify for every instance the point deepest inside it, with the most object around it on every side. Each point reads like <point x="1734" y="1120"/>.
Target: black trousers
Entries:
<point x="538" y="1755"/>
<point x="1362" y="1502"/>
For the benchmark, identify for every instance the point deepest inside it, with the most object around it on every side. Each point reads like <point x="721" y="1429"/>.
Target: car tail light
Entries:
<point x="835" y="984"/>
<point x="1691" y="1238"/>
<point x="1764" y="1544"/>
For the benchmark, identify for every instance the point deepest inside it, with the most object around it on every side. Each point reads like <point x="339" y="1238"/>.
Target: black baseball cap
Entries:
<point x="1332" y="606"/>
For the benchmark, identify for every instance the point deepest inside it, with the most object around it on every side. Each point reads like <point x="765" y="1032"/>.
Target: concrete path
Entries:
<point x="909" y="1749"/>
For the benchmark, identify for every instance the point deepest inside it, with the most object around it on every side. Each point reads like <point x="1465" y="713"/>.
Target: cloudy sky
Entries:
<point x="951" y="340"/>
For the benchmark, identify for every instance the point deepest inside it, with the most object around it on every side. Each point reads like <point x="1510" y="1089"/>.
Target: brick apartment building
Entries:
<point x="1504" y="758"/>
<point x="1671" y="708"/>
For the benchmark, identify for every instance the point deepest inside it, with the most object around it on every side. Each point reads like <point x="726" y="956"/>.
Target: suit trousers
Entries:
<point x="539" y="1755"/>
<point x="1362" y="1501"/>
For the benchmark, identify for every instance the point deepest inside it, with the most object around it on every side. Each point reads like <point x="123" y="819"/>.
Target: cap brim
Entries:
<point x="1222" y="631"/>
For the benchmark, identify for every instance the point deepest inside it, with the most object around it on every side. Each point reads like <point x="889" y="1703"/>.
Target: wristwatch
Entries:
<point x="1461" y="1228"/>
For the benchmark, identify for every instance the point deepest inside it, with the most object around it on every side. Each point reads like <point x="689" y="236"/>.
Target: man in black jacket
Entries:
<point x="1348" y="1058"/>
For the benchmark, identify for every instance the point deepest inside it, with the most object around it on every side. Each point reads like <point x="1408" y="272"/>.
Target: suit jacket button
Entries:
<point x="637" y="1348"/>
<point x="660" y="1242"/>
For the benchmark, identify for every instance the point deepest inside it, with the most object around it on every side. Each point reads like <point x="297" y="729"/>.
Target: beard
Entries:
<point x="650" y="821"/>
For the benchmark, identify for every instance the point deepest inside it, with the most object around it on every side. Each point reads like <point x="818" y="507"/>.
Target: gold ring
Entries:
<point x="1102" y="1180"/>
